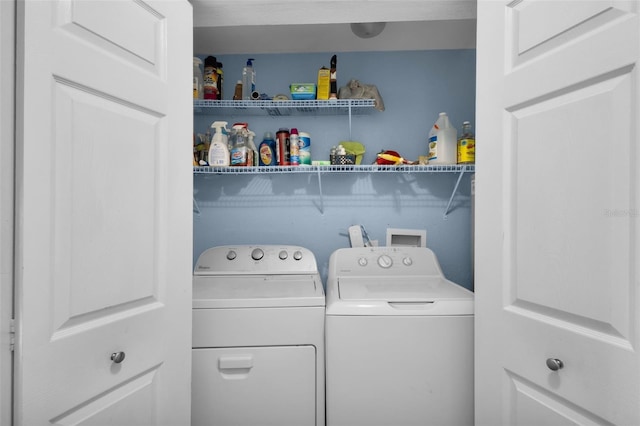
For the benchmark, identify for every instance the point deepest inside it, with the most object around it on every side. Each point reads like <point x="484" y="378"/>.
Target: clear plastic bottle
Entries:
<point x="248" y="80"/>
<point x="467" y="145"/>
<point x="238" y="143"/>
<point x="443" y="141"/>
<point x="198" y="79"/>
<point x="252" y="151"/>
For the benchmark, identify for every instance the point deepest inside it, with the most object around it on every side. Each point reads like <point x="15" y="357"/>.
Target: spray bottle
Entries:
<point x="253" y="151"/>
<point x="219" y="148"/>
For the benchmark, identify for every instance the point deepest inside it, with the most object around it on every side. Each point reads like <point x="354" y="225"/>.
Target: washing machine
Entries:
<point x="258" y="337"/>
<point x="399" y="340"/>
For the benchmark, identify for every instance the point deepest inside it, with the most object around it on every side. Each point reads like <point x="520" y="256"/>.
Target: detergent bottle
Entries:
<point x="443" y="141"/>
<point x="267" y="155"/>
<point x="219" y="147"/>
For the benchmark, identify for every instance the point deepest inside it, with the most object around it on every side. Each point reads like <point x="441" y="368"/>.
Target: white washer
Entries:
<point x="258" y="337"/>
<point x="399" y="340"/>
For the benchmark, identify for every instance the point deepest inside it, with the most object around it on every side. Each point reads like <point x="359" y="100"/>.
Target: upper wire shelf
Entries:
<point x="286" y="108"/>
<point x="373" y="168"/>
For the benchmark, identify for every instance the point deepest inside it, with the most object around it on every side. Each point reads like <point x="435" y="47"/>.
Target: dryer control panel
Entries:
<point x="381" y="261"/>
<point x="250" y="259"/>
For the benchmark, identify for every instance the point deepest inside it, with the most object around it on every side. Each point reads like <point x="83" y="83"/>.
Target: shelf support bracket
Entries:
<point x="455" y="189"/>
<point x="320" y="189"/>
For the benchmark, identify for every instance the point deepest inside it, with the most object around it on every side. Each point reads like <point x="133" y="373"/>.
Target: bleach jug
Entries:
<point x="443" y="141"/>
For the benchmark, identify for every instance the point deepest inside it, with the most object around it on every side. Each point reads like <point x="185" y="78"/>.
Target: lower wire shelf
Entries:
<point x="461" y="169"/>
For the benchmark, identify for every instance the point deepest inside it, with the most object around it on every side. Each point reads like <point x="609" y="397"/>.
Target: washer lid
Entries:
<point x="426" y="295"/>
<point x="257" y="291"/>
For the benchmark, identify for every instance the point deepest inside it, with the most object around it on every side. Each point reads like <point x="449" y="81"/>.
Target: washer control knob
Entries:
<point x="407" y="261"/>
<point x="283" y="255"/>
<point x="385" y="261"/>
<point x="231" y="255"/>
<point x="362" y="261"/>
<point x="257" y="254"/>
<point x="297" y="255"/>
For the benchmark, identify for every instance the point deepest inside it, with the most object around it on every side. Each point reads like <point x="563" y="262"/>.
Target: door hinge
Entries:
<point x="12" y="334"/>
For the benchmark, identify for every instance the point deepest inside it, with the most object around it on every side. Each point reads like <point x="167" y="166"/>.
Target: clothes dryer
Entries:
<point x="399" y="340"/>
<point x="258" y="337"/>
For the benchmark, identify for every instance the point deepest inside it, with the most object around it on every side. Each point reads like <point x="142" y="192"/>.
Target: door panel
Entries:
<point x="557" y="194"/>
<point x="104" y="232"/>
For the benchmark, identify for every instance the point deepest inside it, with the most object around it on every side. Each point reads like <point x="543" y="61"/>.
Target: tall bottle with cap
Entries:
<point x="210" y="78"/>
<point x="467" y="145"/>
<point x="294" y="147"/>
<point x="219" y="148"/>
<point x="443" y="141"/>
<point x="252" y="150"/>
<point x="248" y="79"/>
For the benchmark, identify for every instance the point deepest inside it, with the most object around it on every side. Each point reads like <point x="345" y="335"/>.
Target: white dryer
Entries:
<point x="399" y="340"/>
<point x="258" y="337"/>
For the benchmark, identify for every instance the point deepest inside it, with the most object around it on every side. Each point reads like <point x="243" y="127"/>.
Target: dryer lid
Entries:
<point x="425" y="295"/>
<point x="257" y="291"/>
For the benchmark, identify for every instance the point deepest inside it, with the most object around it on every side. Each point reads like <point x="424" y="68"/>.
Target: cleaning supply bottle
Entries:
<point x="248" y="79"/>
<point x="219" y="147"/>
<point x="253" y="151"/>
<point x="198" y="79"/>
<point x="442" y="141"/>
<point x="267" y="155"/>
<point x="294" y="147"/>
<point x="238" y="143"/>
<point x="466" y="145"/>
<point x="210" y="78"/>
<point x="220" y="72"/>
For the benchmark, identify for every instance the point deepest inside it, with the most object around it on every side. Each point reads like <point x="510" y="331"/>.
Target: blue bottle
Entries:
<point x="267" y="150"/>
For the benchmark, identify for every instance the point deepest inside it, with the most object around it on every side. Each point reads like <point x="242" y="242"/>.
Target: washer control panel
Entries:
<point x="380" y="261"/>
<point x="246" y="259"/>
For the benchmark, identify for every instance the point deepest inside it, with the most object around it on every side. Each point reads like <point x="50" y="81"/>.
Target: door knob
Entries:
<point x="554" y="364"/>
<point x="117" y="357"/>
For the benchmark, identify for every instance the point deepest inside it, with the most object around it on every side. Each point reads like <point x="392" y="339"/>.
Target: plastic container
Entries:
<point x="239" y="144"/>
<point x="248" y="80"/>
<point x="198" y="79"/>
<point x="467" y="145"/>
<point x="237" y="94"/>
<point x="305" y="149"/>
<point x="220" y="72"/>
<point x="294" y="147"/>
<point x="282" y="146"/>
<point x="443" y="141"/>
<point x="219" y="147"/>
<point x="210" y="78"/>
<point x="302" y="91"/>
<point x="252" y="151"/>
<point x="267" y="151"/>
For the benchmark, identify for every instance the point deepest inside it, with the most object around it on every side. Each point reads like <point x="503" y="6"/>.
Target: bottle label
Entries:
<point x="266" y="155"/>
<point x="466" y="151"/>
<point x="239" y="156"/>
<point x="433" y="148"/>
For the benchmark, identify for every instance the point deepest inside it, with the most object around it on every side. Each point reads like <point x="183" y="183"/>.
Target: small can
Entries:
<point x="282" y="145"/>
<point x="305" y="149"/>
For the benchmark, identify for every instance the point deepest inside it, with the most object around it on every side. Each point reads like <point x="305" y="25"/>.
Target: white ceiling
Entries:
<point x="293" y="26"/>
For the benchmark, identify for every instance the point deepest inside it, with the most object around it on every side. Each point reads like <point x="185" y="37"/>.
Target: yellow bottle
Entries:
<point x="466" y="145"/>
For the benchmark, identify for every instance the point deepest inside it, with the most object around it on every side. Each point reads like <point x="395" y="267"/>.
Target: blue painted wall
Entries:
<point x="289" y="208"/>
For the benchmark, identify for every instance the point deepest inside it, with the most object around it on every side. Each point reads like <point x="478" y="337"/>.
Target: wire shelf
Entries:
<point x="373" y="168"/>
<point x="285" y="108"/>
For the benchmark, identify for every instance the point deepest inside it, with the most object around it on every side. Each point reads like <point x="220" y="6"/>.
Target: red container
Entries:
<point x="282" y="148"/>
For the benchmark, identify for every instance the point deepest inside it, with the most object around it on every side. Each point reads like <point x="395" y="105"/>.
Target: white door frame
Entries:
<point x="7" y="138"/>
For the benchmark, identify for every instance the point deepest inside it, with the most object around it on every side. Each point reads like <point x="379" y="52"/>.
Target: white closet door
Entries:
<point x="104" y="228"/>
<point x="557" y="198"/>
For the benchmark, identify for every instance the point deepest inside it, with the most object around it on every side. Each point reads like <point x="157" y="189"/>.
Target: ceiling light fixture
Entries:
<point x="367" y="29"/>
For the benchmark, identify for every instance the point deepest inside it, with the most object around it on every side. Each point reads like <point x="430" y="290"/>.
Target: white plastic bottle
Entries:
<point x="219" y="148"/>
<point x="443" y="141"/>
<point x="248" y="80"/>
